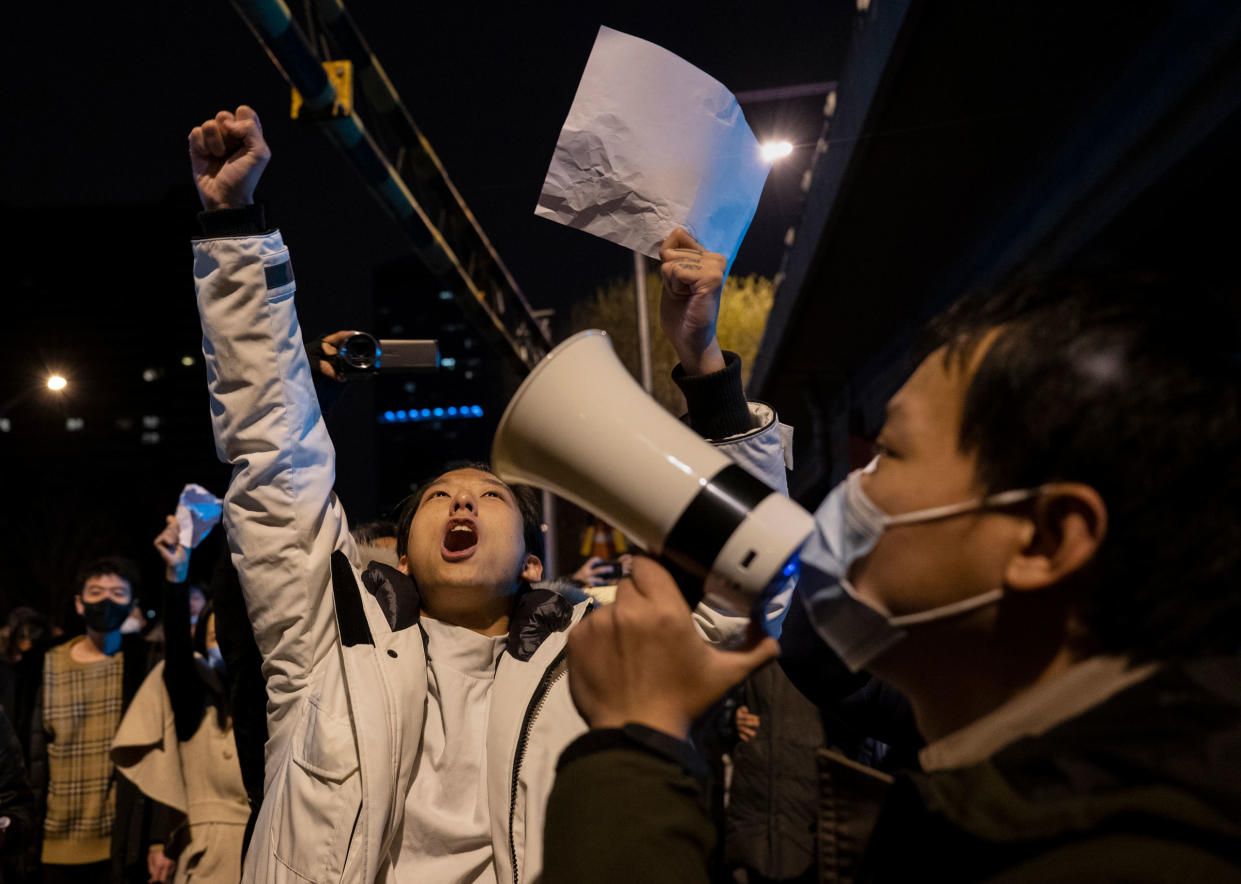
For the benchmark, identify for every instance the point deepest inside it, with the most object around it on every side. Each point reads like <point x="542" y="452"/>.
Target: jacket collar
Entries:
<point x="1037" y="710"/>
<point x="538" y="611"/>
<point x="1148" y="751"/>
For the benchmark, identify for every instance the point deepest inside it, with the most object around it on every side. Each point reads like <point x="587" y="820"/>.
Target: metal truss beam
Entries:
<point x="400" y="168"/>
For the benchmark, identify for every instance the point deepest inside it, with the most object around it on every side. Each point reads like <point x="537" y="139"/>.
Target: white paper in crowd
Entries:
<point x="198" y="511"/>
<point x="652" y="143"/>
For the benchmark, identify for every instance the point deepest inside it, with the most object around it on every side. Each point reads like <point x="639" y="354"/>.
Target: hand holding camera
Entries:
<point x="346" y="355"/>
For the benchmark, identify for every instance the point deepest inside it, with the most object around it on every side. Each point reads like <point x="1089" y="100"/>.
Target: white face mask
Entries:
<point x="848" y="525"/>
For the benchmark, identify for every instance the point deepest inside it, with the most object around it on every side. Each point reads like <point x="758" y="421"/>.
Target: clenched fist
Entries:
<point x="228" y="155"/>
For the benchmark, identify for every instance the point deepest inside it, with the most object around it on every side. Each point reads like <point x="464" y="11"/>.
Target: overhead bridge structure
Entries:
<point x="397" y="163"/>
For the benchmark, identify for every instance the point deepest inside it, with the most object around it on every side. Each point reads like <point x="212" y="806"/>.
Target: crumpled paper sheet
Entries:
<point x="198" y="511"/>
<point x="652" y="143"/>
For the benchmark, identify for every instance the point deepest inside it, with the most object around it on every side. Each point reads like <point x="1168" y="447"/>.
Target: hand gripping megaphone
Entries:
<point x="580" y="427"/>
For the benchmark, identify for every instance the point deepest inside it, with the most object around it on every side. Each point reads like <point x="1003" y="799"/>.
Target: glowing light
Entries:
<point x="187" y="361"/>
<point x="685" y="468"/>
<point x="776" y="150"/>
<point x="415" y="414"/>
<point x="56" y="382"/>
<point x="792" y="566"/>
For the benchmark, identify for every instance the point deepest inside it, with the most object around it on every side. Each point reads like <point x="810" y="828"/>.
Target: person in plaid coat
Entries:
<point x="96" y="825"/>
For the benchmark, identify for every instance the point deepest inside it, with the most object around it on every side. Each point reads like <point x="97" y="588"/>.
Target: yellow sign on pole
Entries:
<point x="340" y="75"/>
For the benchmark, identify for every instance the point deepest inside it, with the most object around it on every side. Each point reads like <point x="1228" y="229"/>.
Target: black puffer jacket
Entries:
<point x="772" y="800"/>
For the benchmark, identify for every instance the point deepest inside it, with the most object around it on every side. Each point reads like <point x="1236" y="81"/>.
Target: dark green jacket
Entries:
<point x="1145" y="787"/>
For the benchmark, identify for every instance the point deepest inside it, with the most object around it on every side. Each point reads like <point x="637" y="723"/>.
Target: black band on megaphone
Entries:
<point x="716" y="511"/>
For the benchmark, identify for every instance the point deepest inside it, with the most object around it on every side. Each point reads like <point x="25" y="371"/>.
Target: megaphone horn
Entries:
<point x="580" y="427"/>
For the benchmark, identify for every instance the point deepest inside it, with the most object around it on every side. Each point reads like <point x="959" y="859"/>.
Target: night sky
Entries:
<point x="98" y="104"/>
<point x="104" y="100"/>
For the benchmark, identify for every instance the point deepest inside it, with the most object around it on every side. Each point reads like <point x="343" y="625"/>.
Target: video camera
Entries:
<point x="362" y="355"/>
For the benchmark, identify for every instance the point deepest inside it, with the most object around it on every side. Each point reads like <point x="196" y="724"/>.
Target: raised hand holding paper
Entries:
<point x="652" y="143"/>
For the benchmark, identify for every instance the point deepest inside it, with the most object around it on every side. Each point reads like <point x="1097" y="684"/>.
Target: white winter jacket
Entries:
<point x="343" y="659"/>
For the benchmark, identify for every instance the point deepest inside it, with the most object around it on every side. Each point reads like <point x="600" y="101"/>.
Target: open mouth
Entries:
<point x="460" y="540"/>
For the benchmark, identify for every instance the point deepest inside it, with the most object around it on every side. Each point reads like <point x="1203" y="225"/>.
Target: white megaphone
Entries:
<point x="581" y="428"/>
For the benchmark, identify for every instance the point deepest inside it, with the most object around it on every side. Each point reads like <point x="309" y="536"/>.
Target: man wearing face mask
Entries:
<point x="1044" y="559"/>
<point x="96" y="825"/>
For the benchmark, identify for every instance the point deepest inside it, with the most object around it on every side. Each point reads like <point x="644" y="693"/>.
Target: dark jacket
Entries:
<point x="1144" y="787"/>
<point x="770" y="821"/>
<point x="243" y="676"/>
<point x="16" y="797"/>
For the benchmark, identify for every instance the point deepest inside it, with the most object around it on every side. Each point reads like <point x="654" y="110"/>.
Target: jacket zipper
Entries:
<point x="555" y="671"/>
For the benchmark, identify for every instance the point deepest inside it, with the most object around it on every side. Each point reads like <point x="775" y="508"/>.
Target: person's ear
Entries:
<point x="533" y="570"/>
<point x="1069" y="523"/>
<point x="78" y="606"/>
<point x="403" y="565"/>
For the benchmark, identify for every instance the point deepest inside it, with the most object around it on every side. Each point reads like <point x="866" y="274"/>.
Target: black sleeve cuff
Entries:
<point x="643" y="738"/>
<point x="246" y="221"/>
<point x="717" y="406"/>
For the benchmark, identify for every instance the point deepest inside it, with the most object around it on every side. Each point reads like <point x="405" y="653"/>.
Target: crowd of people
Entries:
<point x="1011" y="653"/>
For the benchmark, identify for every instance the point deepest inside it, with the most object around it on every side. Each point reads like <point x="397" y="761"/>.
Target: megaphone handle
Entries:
<point x="689" y="584"/>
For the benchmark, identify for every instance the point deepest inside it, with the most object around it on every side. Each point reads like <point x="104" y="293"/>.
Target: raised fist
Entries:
<point x="228" y="155"/>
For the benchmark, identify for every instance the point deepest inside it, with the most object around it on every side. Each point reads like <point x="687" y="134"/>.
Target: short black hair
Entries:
<point x="528" y="504"/>
<point x="1128" y="383"/>
<point x="118" y="565"/>
<point x="23" y="623"/>
<point x="369" y="532"/>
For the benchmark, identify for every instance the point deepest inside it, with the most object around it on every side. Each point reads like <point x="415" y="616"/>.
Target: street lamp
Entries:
<point x="776" y="150"/>
<point x="56" y="383"/>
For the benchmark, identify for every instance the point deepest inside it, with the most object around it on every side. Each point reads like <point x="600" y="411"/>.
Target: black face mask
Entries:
<point x="105" y="616"/>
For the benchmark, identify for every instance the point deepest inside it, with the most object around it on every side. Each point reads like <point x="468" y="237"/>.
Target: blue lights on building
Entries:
<point x="416" y="415"/>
